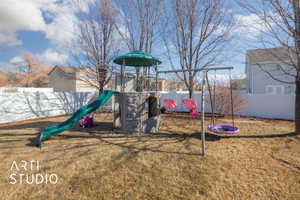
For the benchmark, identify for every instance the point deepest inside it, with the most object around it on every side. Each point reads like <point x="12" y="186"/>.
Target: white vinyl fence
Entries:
<point x="256" y="105"/>
<point x="24" y="89"/>
<point x="30" y="105"/>
<point x="269" y="106"/>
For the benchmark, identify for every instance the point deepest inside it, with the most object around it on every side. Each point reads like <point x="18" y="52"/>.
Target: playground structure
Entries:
<point x="139" y="111"/>
<point x="134" y="112"/>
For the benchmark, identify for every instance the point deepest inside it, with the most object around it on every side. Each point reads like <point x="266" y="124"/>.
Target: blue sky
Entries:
<point x="45" y="28"/>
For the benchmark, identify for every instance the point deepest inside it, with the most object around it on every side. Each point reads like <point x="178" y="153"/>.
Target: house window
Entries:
<point x="275" y="89"/>
<point x="290" y="89"/>
<point x="278" y="67"/>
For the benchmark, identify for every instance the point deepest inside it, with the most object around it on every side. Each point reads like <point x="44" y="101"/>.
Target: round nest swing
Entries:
<point x="223" y="129"/>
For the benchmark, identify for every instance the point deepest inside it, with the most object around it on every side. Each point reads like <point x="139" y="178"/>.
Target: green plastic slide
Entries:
<point x="78" y="115"/>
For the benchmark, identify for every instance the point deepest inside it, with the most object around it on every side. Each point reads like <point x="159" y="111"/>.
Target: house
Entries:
<point x="76" y="79"/>
<point x="63" y="79"/>
<point x="262" y="65"/>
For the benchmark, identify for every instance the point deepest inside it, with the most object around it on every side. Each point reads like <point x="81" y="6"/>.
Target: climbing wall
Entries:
<point x="132" y="115"/>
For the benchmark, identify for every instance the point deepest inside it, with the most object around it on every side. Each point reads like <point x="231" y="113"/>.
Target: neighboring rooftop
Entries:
<point x="68" y="70"/>
<point x="270" y="55"/>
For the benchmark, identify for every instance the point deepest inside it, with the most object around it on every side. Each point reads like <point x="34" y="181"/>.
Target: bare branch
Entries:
<point x="198" y="33"/>
<point x="97" y="43"/>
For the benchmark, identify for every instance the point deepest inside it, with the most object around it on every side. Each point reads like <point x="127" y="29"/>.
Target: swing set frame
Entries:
<point x="204" y="81"/>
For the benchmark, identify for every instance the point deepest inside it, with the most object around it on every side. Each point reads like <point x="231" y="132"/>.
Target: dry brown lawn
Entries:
<point x="260" y="162"/>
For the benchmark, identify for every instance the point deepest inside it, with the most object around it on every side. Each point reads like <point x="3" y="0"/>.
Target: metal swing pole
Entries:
<point x="214" y="103"/>
<point x="231" y="96"/>
<point x="114" y="99"/>
<point x="210" y="98"/>
<point x="203" y="114"/>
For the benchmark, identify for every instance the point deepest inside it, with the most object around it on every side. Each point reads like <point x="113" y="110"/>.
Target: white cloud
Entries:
<point x="19" y="15"/>
<point x="62" y="29"/>
<point x="31" y="15"/>
<point x="49" y="56"/>
<point x="52" y="57"/>
<point x="250" y="26"/>
<point x="16" y="59"/>
<point x="9" y="38"/>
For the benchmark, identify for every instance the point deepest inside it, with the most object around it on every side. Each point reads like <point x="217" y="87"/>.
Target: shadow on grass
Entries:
<point x="102" y="130"/>
<point x="8" y="130"/>
<point x="37" y="125"/>
<point x="161" y="140"/>
<point x="99" y="127"/>
<point x="295" y="166"/>
<point x="214" y="137"/>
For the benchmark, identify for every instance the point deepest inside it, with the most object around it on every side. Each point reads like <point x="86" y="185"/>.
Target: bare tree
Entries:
<point x="222" y="102"/>
<point x="138" y="27"/>
<point x="3" y="78"/>
<point x="195" y="33"/>
<point x="27" y="69"/>
<point x="12" y="78"/>
<point x="281" y="28"/>
<point x="138" y="23"/>
<point x="239" y="83"/>
<point x="96" y="44"/>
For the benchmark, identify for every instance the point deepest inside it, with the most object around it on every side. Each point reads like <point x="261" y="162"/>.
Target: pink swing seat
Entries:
<point x="170" y="104"/>
<point x="191" y="105"/>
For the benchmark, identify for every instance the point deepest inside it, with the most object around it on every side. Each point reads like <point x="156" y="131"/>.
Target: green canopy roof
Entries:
<point x="137" y="59"/>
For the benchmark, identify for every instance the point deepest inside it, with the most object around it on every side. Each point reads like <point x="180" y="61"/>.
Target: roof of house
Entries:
<point x="68" y="70"/>
<point x="270" y="55"/>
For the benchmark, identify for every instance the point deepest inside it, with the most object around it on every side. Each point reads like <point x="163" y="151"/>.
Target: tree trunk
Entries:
<point x="191" y="93"/>
<point x="297" y="105"/>
<point x="297" y="42"/>
<point x="101" y="89"/>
